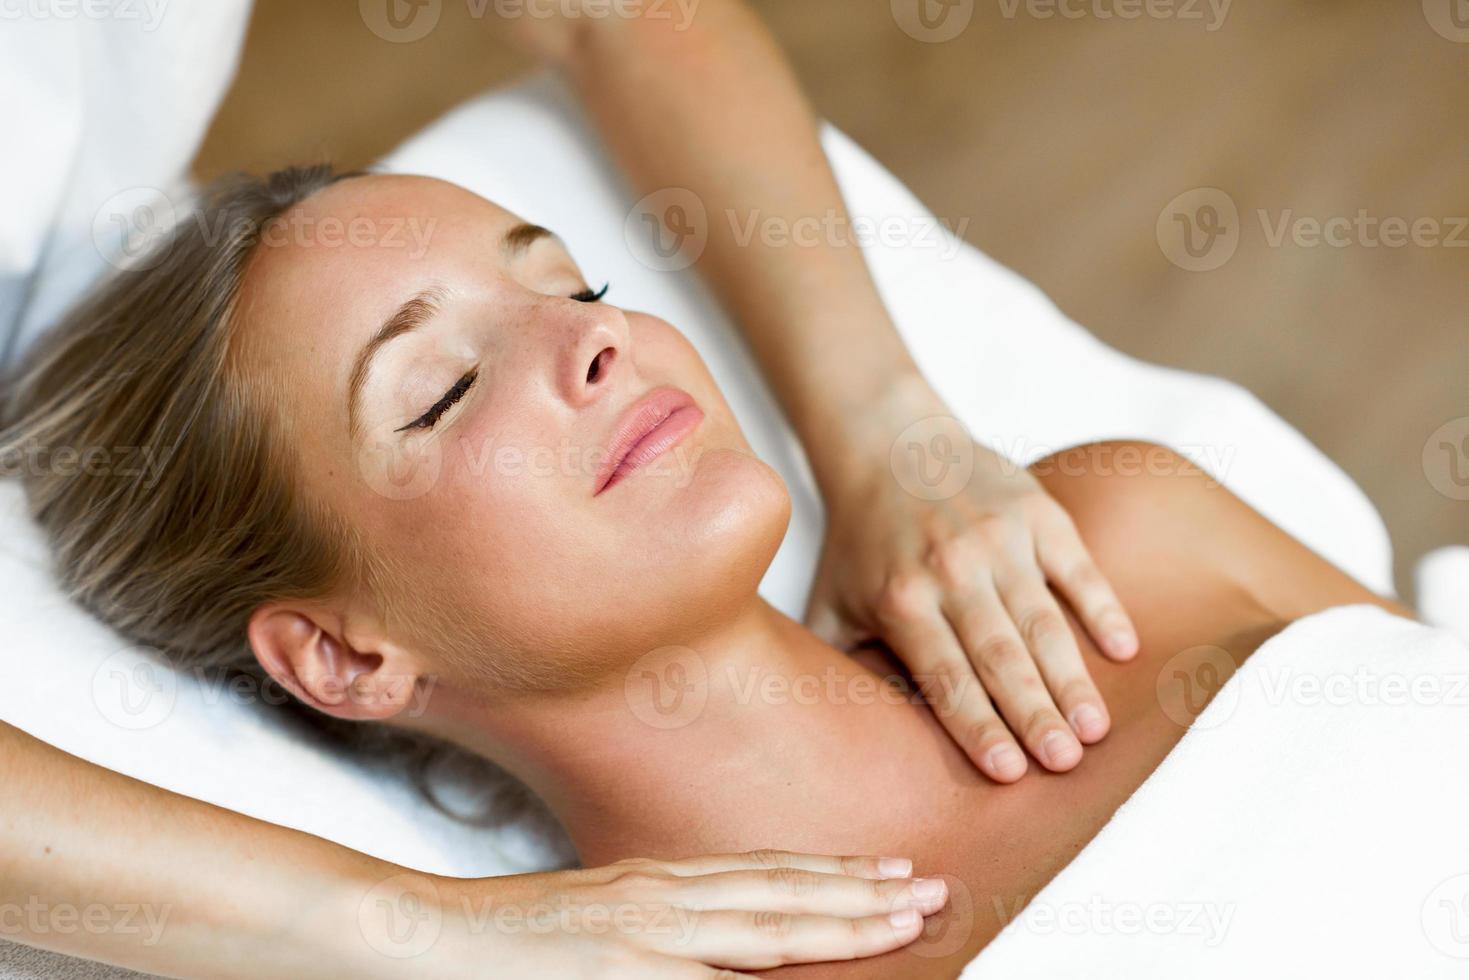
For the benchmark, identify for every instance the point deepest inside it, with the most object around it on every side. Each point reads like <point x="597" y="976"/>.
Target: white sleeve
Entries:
<point x="101" y="102"/>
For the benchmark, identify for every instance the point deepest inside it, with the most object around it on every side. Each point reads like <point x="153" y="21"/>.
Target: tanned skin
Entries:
<point x="1199" y="570"/>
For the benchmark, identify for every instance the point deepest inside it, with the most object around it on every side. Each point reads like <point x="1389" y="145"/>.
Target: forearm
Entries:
<point x="97" y="865"/>
<point x="715" y="109"/>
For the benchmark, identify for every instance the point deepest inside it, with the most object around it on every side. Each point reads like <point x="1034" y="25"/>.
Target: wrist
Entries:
<point x="852" y="441"/>
<point x="380" y="920"/>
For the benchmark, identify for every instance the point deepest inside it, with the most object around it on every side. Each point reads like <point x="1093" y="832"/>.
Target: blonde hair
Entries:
<point x="169" y="502"/>
<point x="161" y="475"/>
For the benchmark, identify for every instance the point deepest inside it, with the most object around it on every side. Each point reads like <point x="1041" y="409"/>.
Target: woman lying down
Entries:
<point x="344" y="512"/>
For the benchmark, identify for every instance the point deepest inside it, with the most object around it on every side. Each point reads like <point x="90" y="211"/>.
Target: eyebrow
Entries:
<point x="418" y="311"/>
<point x="522" y="237"/>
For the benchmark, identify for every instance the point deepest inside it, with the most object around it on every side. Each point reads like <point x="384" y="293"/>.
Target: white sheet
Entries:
<point x="1023" y="376"/>
<point x="1309" y="824"/>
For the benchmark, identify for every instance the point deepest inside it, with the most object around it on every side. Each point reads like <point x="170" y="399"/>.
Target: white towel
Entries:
<point x="1020" y="374"/>
<point x="1443" y="589"/>
<point x="1310" y="824"/>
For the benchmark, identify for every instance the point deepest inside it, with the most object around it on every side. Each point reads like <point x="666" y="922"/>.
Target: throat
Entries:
<point x="760" y="736"/>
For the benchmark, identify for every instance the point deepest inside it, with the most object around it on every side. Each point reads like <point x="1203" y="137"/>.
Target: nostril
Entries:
<point x="600" y="364"/>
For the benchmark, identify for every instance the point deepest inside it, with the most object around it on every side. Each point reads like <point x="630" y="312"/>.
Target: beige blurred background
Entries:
<point x="1061" y="141"/>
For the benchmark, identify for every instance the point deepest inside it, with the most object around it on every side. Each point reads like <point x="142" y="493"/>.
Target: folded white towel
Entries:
<point x="1311" y="823"/>
<point x="1443" y="589"/>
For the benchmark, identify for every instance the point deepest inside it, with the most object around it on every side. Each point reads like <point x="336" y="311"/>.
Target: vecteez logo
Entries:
<point x="933" y="21"/>
<point x="1199" y="230"/>
<point x="400" y="21"/>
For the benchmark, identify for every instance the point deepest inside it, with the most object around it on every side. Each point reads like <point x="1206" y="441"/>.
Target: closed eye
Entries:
<point x="455" y="394"/>
<point x="590" y="296"/>
<point x="461" y="388"/>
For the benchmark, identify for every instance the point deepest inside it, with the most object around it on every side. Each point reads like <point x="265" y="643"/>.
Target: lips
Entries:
<point x="653" y="425"/>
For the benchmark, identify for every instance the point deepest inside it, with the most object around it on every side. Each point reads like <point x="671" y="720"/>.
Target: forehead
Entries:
<point x="333" y="268"/>
<point x="354" y="250"/>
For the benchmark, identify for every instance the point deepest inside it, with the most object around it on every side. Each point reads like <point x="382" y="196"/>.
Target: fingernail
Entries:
<point x="1005" y="761"/>
<point x="929" y="889"/>
<point x="894" y="867"/>
<point x="1061" y="751"/>
<point x="1088" y="722"/>
<point x="1121" y="643"/>
<point x="904" y="919"/>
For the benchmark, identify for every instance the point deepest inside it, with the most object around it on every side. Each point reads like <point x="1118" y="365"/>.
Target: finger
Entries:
<point x="1009" y="674"/>
<point x="830" y="864"/>
<point x="824" y="618"/>
<point x="923" y="639"/>
<point x="656" y="966"/>
<point x="801" y="892"/>
<point x="1044" y="630"/>
<point x="1069" y="566"/>
<point x="765" y="940"/>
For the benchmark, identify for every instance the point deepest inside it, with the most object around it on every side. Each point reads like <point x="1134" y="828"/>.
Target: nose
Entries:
<point x="594" y="350"/>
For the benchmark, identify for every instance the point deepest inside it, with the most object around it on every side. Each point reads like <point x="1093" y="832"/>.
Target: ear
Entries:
<point x="306" y="652"/>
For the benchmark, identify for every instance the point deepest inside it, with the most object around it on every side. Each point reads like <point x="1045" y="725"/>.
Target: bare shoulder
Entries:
<point x="1207" y="581"/>
<point x="1145" y="510"/>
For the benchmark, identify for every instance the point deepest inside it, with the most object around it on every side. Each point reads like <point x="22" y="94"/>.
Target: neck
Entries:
<point x="754" y="735"/>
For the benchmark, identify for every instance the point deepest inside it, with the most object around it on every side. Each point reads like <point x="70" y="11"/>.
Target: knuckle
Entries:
<point x="1078" y="690"/>
<point x="792" y="881"/>
<point x="1001" y="655"/>
<point x="946" y="686"/>
<point x="903" y="597"/>
<point x="634" y="862"/>
<point x="772" y="925"/>
<point x="1083" y="577"/>
<point x="1042" y="626"/>
<point x="985" y="732"/>
<point x="993" y="530"/>
<point x="953" y="559"/>
<point x="767" y="857"/>
<point x="1039" y="722"/>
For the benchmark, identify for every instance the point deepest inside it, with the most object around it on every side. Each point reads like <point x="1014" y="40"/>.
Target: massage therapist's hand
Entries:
<point x="956" y="586"/>
<point x="952" y="572"/>
<point x="671" y="920"/>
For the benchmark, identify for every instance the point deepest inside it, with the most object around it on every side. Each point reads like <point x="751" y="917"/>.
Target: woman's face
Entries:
<point x="555" y="481"/>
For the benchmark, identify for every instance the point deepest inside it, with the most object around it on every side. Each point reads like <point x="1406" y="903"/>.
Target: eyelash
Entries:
<point x="461" y="387"/>
<point x="452" y="398"/>
<point x="589" y="296"/>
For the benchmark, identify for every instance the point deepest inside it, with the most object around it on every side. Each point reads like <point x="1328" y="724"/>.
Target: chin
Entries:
<point x="719" y="534"/>
<point x="736" y="512"/>
<point x="735" y="504"/>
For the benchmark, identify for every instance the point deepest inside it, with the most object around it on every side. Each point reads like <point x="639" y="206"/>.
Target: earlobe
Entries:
<point x="305" y="653"/>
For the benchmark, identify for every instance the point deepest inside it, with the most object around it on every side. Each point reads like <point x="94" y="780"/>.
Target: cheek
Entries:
<point x="549" y="584"/>
<point x="488" y="547"/>
<point x="690" y="558"/>
<point x="665" y="356"/>
<point x="515" y="548"/>
<point x="516" y="552"/>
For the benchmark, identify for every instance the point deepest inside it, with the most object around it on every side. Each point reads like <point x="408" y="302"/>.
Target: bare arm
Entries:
<point x="711" y="105"/>
<point x="175" y="886"/>
<point x="954" y="581"/>
<point x="96" y="865"/>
